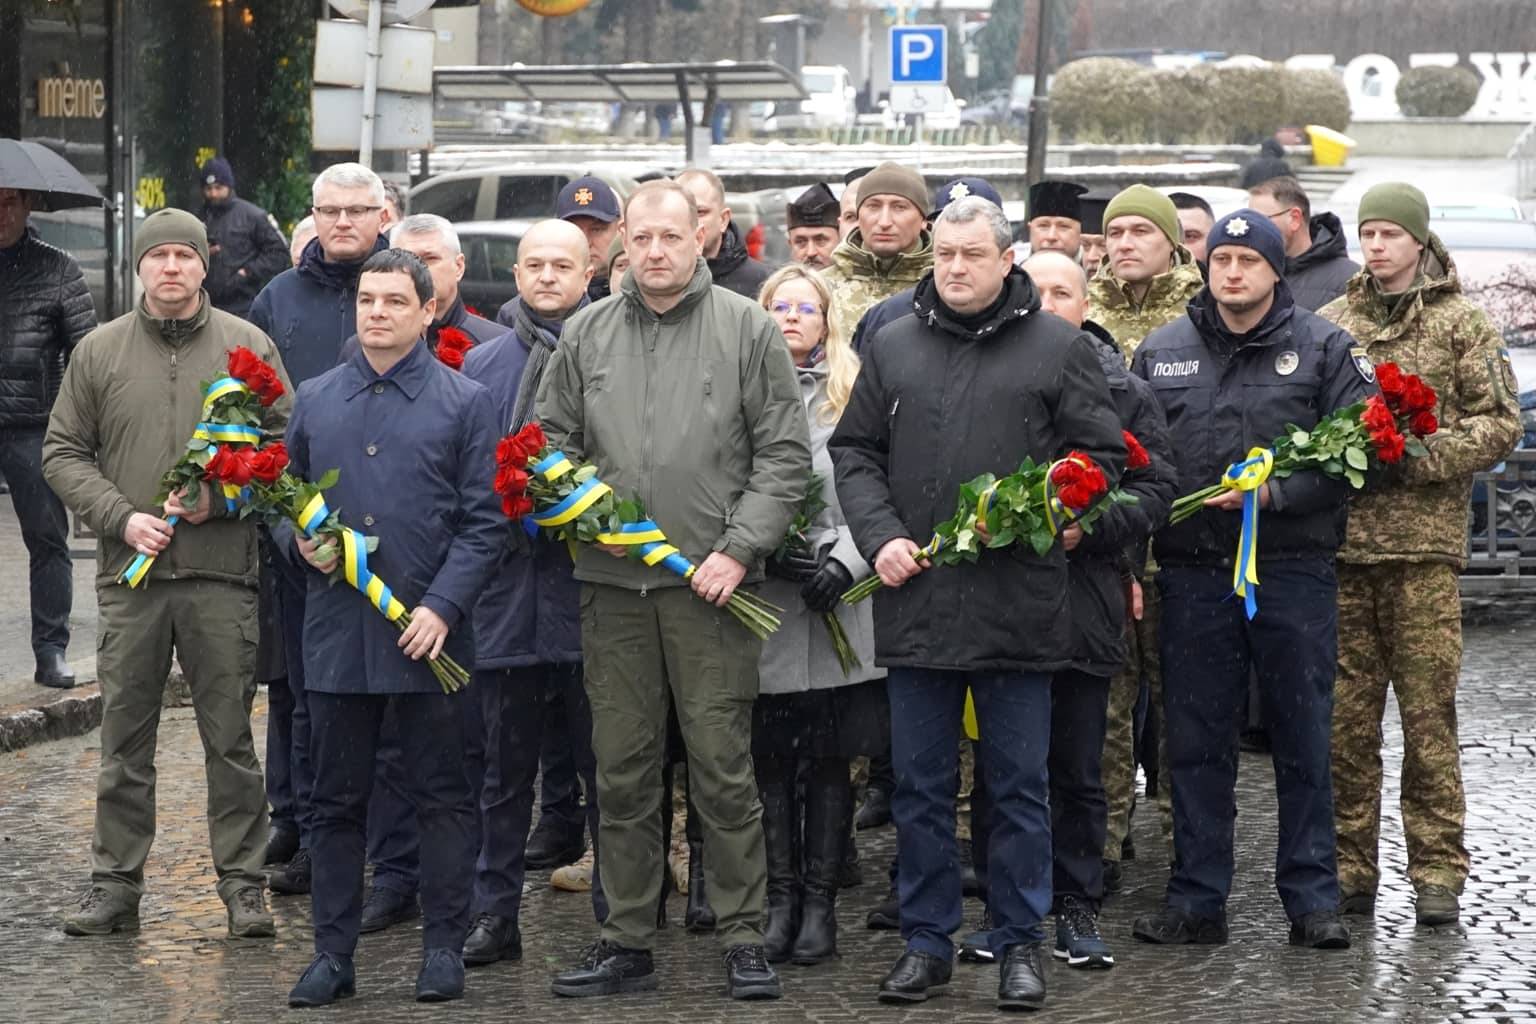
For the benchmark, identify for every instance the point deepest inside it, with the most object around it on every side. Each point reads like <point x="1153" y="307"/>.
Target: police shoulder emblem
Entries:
<point x="1286" y="363"/>
<point x="1363" y="364"/>
<point x="1237" y="227"/>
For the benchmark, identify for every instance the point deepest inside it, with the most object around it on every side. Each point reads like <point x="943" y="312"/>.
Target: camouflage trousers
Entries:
<point x="1399" y="624"/>
<point x="1118" y="767"/>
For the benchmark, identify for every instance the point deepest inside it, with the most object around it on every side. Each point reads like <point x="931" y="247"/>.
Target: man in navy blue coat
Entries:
<point x="415" y="446"/>
<point x="527" y="622"/>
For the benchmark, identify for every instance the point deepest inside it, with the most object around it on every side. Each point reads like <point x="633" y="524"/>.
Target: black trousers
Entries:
<point x="45" y="531"/>
<point x="344" y="743"/>
<point x="1079" y="813"/>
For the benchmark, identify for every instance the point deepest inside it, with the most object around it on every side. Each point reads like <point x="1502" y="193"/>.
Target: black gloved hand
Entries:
<point x="822" y="591"/>
<point x="795" y="566"/>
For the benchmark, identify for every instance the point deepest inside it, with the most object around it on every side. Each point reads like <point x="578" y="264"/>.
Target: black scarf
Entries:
<point x="542" y="336"/>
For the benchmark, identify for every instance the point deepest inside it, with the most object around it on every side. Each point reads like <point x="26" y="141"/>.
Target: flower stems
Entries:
<point x="760" y="617"/>
<point x="1190" y="504"/>
<point x="862" y="590"/>
<point x="845" y="653"/>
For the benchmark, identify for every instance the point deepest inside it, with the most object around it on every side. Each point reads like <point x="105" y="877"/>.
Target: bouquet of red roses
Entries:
<point x="452" y="345"/>
<point x="229" y="448"/>
<point x="1412" y="403"/>
<point x="543" y="489"/>
<point x="1030" y="506"/>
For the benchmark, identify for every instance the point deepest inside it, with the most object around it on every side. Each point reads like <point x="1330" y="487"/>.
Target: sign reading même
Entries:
<point x="72" y="98"/>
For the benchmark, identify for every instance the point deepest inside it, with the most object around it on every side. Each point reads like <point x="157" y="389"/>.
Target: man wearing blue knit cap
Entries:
<point x="1243" y="367"/>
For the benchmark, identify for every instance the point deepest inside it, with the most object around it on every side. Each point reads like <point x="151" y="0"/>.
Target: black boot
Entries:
<point x="780" y="825"/>
<point x="828" y="799"/>
<point x="700" y="916"/>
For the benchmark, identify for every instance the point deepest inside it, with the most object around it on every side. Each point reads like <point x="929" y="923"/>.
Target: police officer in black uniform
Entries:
<point x="1233" y="375"/>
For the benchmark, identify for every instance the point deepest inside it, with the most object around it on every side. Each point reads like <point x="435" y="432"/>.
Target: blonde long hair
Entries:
<point x="842" y="360"/>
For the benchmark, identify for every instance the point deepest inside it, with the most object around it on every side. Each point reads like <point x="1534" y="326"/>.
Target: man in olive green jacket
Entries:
<point x="1406" y="542"/>
<point x="128" y="404"/>
<point x="683" y="396"/>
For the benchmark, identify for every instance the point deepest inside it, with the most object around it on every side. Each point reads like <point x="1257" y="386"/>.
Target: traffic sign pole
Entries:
<point x="371" y="81"/>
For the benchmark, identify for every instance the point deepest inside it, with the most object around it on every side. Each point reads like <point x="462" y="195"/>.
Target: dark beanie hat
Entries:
<point x="216" y="172"/>
<point x="1252" y="230"/>
<point x="891" y="179"/>
<point x="169" y="225"/>
<point x="1400" y="203"/>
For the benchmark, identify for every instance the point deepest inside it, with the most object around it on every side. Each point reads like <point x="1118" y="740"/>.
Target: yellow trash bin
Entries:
<point x="1329" y="148"/>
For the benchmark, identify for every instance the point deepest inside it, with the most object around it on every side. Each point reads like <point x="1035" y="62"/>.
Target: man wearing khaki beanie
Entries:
<point x="889" y="251"/>
<point x="128" y="403"/>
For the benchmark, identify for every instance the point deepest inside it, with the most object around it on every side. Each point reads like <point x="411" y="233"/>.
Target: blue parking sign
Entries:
<point x="917" y="54"/>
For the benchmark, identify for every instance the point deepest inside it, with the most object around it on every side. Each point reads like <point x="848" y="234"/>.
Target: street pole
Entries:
<point x="371" y="81"/>
<point x="1040" y="102"/>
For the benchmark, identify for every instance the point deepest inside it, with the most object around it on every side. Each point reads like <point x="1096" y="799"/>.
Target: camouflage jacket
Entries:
<point x="1111" y="306"/>
<point x="859" y="278"/>
<point x="1420" y="514"/>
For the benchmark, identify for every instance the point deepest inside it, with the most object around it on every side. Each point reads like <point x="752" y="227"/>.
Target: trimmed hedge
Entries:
<point x="1109" y="100"/>
<point x="1437" y="92"/>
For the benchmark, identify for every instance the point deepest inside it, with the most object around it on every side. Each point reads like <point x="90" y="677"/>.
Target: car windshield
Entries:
<point x="820" y="83"/>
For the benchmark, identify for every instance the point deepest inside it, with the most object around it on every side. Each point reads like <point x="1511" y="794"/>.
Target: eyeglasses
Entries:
<point x="352" y="212"/>
<point x="1283" y="213"/>
<point x="803" y="308"/>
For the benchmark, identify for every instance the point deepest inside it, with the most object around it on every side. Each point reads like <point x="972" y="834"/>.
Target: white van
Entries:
<point x="830" y="103"/>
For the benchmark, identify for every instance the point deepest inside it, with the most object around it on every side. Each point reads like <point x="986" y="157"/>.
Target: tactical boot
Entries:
<point x="102" y="912"/>
<point x="248" y="914"/>
<point x="1321" y="929"/>
<point x="607" y="969"/>
<point x="748" y="974"/>
<point x="1436" y="904"/>
<point x="700" y="916"/>
<point x="1171" y="927"/>
<point x="293" y="878"/>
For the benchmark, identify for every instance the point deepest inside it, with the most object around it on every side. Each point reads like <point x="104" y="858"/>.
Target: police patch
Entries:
<point x="1286" y="363"/>
<point x="1363" y="364"/>
<point x="1507" y="371"/>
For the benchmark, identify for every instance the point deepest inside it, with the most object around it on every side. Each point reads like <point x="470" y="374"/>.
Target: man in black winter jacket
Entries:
<point x="245" y="249"/>
<point x="45" y="309"/>
<point x="1244" y="366"/>
<point x="724" y="251"/>
<point x="974" y="382"/>
<point x="1317" y="263"/>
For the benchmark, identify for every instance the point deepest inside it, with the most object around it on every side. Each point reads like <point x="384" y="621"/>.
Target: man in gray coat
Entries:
<point x="683" y="396"/>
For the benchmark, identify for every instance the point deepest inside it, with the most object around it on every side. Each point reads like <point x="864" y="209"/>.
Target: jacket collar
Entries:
<point x="1437" y="279"/>
<point x="732" y="253"/>
<point x="330" y="274"/>
<point x="1208" y="321"/>
<point x="1020" y="299"/>
<point x="409" y="374"/>
<point x="697" y="288"/>
<point x="174" y="332"/>
<point x="908" y="267"/>
<point x="1327" y="244"/>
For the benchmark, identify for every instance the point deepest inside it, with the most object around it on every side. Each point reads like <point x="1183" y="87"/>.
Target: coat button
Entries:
<point x="372" y="449"/>
<point x="378" y="389"/>
<point x="367" y="520"/>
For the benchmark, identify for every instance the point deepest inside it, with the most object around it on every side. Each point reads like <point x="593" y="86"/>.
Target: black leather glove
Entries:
<point x="795" y="566"/>
<point x="822" y="591"/>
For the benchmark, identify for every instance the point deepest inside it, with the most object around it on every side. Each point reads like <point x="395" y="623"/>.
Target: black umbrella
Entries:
<point x="35" y="168"/>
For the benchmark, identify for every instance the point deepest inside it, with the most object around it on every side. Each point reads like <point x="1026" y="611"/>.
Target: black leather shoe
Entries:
<point x="282" y="844"/>
<point x="328" y="977"/>
<point x="1320" y="929"/>
<point x="886" y="915"/>
<point x="1358" y="904"/>
<point x="386" y="907"/>
<point x="1170" y="927"/>
<point x="607" y="969"/>
<point x="552" y="845"/>
<point x="1021" y="979"/>
<point x="875" y="811"/>
<point x="700" y="916"/>
<point x="492" y="938"/>
<point x="54" y="671"/>
<point x="293" y="878"/>
<point x="748" y="974"/>
<point x="915" y="977"/>
<point x="441" y="978"/>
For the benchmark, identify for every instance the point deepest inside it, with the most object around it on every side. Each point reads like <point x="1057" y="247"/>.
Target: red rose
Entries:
<point x="452" y="343"/>
<point x="268" y="463"/>
<point x="1390" y="377"/>
<point x="533" y="438"/>
<point x="509" y="453"/>
<point x="1417" y="397"/>
<point x="1078" y="481"/>
<point x="231" y="465"/>
<point x="451" y="357"/>
<point x="1377" y="417"/>
<point x="511" y="481"/>
<point x="243" y="363"/>
<point x="1136" y="456"/>
<point x="252" y="371"/>
<point x="1423" y="424"/>
<point x="516" y="508"/>
<point x="1389" y="446"/>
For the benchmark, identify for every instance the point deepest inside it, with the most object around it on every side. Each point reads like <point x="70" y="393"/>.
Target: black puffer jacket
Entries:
<point x="251" y="252"/>
<point x="45" y="309"/>
<point x="732" y="268"/>
<point x="1320" y="275"/>
<point x="937" y="403"/>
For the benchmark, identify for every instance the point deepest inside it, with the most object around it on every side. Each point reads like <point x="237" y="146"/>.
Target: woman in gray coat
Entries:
<point x="811" y="716"/>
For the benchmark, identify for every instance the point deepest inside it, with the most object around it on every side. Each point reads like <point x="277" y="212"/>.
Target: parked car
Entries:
<point x="830" y="102"/>
<point x="1475" y="206"/>
<point x="490" y="256"/>
<point x="512" y="192"/>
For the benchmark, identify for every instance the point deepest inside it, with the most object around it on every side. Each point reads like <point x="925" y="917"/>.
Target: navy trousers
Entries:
<point x="1209" y="646"/>
<point x="346" y="736"/>
<point x="45" y="531"/>
<point x="516" y="704"/>
<point x="1079" y="813"/>
<point x="1014" y="713"/>
<point x="394" y="834"/>
<point x="290" y="771"/>
<point x="559" y="788"/>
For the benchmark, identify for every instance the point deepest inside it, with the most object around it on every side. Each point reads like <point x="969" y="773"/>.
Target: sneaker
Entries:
<point x="748" y="975"/>
<point x="1436" y="904"/>
<point x="976" y="946"/>
<point x="293" y="878"/>
<point x="1358" y="904"/>
<point x="1171" y="927"/>
<point x="1078" y="941"/>
<point x="1320" y="929"/>
<point x="606" y="969"/>
<point x="248" y="914"/>
<point x="573" y="877"/>
<point x="103" y="912"/>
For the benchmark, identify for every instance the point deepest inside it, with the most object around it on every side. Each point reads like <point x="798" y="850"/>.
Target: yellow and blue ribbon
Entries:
<point x="651" y="544"/>
<point x="354" y="559"/>
<point x="1248" y="476"/>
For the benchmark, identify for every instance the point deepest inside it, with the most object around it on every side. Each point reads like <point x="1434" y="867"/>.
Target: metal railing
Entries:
<point x="1523" y="153"/>
<point x="1502" y="522"/>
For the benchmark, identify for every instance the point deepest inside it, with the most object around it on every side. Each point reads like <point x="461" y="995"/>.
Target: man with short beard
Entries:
<point x="889" y="250"/>
<point x="527" y="621"/>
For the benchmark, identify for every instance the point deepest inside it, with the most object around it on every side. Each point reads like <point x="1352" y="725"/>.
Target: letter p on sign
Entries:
<point x="918" y="54"/>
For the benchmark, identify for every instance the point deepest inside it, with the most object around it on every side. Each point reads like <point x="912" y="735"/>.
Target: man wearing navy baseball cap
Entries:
<point x="592" y="205"/>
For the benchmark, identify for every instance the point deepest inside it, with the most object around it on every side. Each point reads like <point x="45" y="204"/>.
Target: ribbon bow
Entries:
<point x="1248" y="476"/>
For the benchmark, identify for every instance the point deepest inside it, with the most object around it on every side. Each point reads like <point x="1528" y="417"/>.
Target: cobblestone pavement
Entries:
<point x="181" y="967"/>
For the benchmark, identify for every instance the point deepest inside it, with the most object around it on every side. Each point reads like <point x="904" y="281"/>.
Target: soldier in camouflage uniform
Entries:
<point x="1146" y="280"/>
<point x="889" y="251"/>
<point x="1399" y="607"/>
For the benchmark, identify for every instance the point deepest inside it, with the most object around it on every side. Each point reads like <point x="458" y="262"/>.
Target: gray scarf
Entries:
<point x="542" y="336"/>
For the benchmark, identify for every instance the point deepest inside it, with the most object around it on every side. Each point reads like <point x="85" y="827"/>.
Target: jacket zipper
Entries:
<point x="648" y="453"/>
